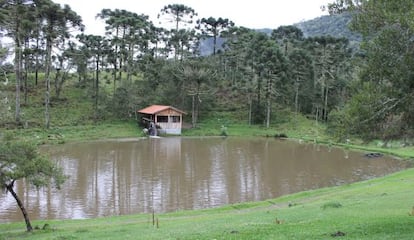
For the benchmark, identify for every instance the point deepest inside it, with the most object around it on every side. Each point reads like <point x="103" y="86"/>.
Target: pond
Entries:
<point x="126" y="176"/>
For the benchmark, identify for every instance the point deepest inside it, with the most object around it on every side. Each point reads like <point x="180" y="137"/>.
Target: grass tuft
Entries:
<point x="331" y="205"/>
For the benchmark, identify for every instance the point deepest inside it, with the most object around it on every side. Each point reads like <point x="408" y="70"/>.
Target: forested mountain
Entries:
<point x="206" y="46"/>
<point x="309" y="69"/>
<point x="328" y="25"/>
<point x="332" y="25"/>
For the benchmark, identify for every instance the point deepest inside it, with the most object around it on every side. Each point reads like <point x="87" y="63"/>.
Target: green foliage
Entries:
<point x="6" y="68"/>
<point x="20" y="160"/>
<point x="362" y="116"/>
<point x="7" y="136"/>
<point x="223" y="131"/>
<point x="119" y="105"/>
<point x="5" y="107"/>
<point x="301" y="71"/>
<point x="388" y="51"/>
<point x="339" y="124"/>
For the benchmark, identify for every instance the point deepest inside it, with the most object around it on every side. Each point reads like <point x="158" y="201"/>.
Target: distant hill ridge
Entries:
<point x="327" y="25"/>
<point x="333" y="25"/>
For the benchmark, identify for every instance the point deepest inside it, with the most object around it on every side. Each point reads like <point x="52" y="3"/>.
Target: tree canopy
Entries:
<point x="386" y="76"/>
<point x="21" y="160"/>
<point x="250" y="72"/>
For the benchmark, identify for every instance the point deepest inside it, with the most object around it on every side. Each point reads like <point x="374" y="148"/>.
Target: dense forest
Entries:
<point x="365" y="91"/>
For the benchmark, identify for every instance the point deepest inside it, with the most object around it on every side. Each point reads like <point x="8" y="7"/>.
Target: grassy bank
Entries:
<point x="376" y="209"/>
<point x="63" y="134"/>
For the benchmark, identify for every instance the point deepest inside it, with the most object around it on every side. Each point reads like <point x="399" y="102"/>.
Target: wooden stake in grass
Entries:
<point x="278" y="221"/>
<point x="155" y="221"/>
<point x="153" y="217"/>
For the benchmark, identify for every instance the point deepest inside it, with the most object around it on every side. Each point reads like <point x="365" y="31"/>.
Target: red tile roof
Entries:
<point x="153" y="109"/>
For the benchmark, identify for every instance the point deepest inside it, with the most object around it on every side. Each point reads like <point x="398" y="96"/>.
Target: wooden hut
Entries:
<point x="168" y="119"/>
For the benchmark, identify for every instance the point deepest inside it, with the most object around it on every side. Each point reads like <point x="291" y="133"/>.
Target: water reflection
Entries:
<point x="169" y="174"/>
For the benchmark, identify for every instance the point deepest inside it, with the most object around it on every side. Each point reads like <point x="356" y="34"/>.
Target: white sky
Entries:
<point x="252" y="14"/>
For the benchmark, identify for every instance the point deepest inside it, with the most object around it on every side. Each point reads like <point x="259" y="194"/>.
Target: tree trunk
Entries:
<point x="115" y="71"/>
<point x="61" y="82"/>
<point x="97" y="87"/>
<point x="268" y="100"/>
<point x="121" y="56"/>
<point x="268" y="113"/>
<point x="325" y="112"/>
<point x="296" y="100"/>
<point x="47" y="81"/>
<point x="26" y="70"/>
<point x="60" y="78"/>
<point x="214" y="43"/>
<point x="177" y="20"/>
<point x="316" y="115"/>
<point x="130" y="62"/>
<point x="36" y="73"/>
<point x="21" y="206"/>
<point x="37" y="61"/>
<point x="197" y="110"/>
<point x="57" y="79"/>
<point x="193" y="117"/>
<point x="250" y="110"/>
<point x="18" y="72"/>
<point x="259" y="89"/>
<point x="296" y="96"/>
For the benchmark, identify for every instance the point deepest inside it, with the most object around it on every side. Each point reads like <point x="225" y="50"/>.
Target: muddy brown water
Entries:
<point x="127" y="176"/>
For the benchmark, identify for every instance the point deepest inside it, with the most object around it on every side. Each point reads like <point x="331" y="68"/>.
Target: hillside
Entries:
<point x="328" y="25"/>
<point x="333" y="25"/>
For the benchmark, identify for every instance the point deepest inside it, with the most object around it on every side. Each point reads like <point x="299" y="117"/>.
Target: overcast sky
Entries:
<point x="252" y="14"/>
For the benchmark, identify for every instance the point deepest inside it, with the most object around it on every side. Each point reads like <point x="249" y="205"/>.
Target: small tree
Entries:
<point x="21" y="160"/>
